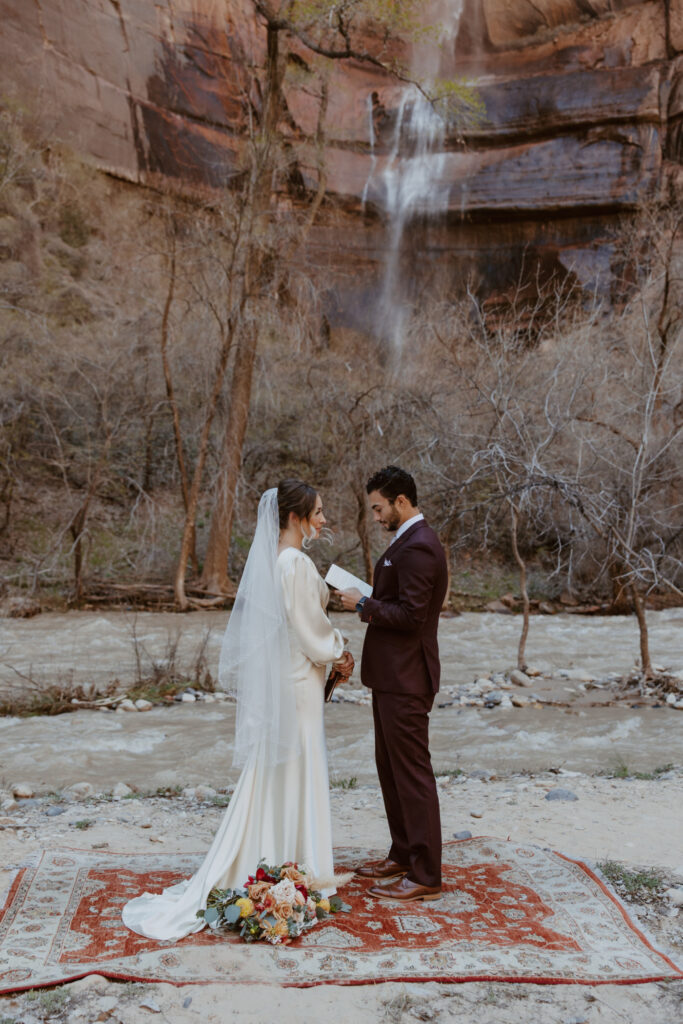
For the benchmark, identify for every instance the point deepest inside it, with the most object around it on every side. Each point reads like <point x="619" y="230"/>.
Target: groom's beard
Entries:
<point x="392" y="522"/>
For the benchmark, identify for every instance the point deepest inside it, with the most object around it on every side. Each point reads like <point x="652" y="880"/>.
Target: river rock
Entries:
<point x="675" y="896"/>
<point x="79" y="791"/>
<point x="120" y="790"/>
<point x="54" y="810"/>
<point x="22" y="790"/>
<point x="463" y="834"/>
<point x="187" y="698"/>
<point x="561" y="794"/>
<point x="143" y="705"/>
<point x="519" y="700"/>
<point x="91" y="982"/>
<point x="126" y="705"/>
<point x="107" y="1004"/>
<point x="520" y="678"/>
<point x="204" y="793"/>
<point x="150" y="1005"/>
<point x="579" y="675"/>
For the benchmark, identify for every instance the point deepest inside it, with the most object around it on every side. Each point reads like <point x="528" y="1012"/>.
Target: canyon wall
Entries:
<point x="584" y="118"/>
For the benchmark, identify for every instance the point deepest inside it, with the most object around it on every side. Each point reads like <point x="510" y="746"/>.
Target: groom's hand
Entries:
<point x="350" y="598"/>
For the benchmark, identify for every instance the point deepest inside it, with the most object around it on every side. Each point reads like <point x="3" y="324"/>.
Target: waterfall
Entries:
<point x="411" y="182"/>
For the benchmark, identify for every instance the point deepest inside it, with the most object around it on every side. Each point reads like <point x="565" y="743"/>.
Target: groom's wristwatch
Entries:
<point x="359" y="606"/>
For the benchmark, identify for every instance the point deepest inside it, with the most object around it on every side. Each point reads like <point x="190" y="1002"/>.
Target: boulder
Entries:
<point x="79" y="791"/>
<point x="22" y="790"/>
<point x="520" y="678"/>
<point x="121" y="790"/>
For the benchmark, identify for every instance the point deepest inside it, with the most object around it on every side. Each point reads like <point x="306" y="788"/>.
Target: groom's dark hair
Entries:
<point x="392" y="481"/>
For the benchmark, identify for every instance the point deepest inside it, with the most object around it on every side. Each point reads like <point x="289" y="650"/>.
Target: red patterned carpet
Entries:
<point x="509" y="913"/>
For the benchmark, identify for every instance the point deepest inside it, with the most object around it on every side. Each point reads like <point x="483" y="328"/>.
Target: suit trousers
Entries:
<point x="408" y="786"/>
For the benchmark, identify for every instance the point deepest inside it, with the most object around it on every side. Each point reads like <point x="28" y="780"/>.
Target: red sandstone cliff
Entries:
<point x="584" y="115"/>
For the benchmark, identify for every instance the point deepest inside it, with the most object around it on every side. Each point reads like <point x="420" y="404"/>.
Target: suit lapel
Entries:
<point x="393" y="548"/>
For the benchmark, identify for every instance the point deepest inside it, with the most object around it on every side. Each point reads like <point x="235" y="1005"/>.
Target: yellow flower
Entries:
<point x="281" y="929"/>
<point x="246" y="906"/>
<point x="324" y="904"/>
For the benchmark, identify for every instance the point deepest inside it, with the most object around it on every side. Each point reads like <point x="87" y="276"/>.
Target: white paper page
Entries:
<point x="340" y="579"/>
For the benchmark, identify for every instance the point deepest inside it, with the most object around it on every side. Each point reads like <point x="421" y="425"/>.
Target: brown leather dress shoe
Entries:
<point x="386" y="868"/>
<point x="405" y="891"/>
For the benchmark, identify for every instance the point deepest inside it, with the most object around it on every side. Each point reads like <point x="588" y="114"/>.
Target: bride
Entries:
<point x="276" y="646"/>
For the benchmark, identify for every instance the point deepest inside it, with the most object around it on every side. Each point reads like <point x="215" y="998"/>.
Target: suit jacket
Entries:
<point x="401" y="652"/>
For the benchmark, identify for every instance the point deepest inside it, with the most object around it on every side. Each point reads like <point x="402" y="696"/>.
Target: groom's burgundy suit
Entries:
<point x="400" y="664"/>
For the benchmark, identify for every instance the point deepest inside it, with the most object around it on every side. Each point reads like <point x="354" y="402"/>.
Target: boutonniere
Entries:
<point x="387" y="561"/>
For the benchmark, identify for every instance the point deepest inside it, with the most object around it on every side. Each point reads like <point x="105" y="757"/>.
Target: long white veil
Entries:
<point x="255" y="661"/>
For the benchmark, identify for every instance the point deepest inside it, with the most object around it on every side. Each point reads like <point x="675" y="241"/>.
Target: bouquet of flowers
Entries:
<point x="276" y="905"/>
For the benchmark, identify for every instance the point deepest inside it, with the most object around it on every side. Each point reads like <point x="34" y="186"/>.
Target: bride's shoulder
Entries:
<point x="291" y="558"/>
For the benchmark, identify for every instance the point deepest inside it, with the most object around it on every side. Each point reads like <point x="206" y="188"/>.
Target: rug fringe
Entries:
<point x="335" y="881"/>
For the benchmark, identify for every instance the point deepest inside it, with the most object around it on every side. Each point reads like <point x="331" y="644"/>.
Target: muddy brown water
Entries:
<point x="187" y="744"/>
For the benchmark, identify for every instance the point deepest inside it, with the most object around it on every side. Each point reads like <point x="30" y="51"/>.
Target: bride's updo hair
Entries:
<point x="295" y="496"/>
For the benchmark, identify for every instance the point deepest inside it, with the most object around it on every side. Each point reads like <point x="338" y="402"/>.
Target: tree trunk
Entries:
<point x="173" y="405"/>
<point x="447" y="598"/>
<point x="620" y="603"/>
<point x="639" y="608"/>
<point x="187" y="541"/>
<point x="362" y="531"/>
<point x="215" y="578"/>
<point x="521" y="650"/>
<point x="76" y="530"/>
<point x="6" y="500"/>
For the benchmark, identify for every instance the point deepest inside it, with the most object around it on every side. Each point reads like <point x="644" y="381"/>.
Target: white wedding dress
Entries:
<point x="278" y="813"/>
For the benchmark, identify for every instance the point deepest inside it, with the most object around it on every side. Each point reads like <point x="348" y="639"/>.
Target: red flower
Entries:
<point x="303" y="890"/>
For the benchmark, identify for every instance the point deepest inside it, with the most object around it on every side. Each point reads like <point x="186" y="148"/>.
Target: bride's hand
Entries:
<point x="345" y="665"/>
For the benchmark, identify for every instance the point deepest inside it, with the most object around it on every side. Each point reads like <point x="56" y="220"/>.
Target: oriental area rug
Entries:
<point x="509" y="913"/>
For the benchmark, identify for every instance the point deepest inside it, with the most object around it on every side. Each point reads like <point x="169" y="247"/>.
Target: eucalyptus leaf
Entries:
<point x="232" y="913"/>
<point x="212" y="916"/>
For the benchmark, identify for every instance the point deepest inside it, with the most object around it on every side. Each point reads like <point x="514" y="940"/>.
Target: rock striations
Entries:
<point x="584" y="118"/>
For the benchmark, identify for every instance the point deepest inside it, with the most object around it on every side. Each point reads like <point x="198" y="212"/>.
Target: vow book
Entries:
<point x="340" y="579"/>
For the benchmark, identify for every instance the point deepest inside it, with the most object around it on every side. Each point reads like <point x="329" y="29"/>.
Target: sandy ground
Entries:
<point x="637" y="821"/>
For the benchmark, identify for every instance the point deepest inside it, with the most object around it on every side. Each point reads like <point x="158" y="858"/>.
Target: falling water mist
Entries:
<point x="410" y="181"/>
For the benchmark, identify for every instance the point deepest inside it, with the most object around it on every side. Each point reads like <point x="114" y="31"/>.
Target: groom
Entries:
<point x="400" y="664"/>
